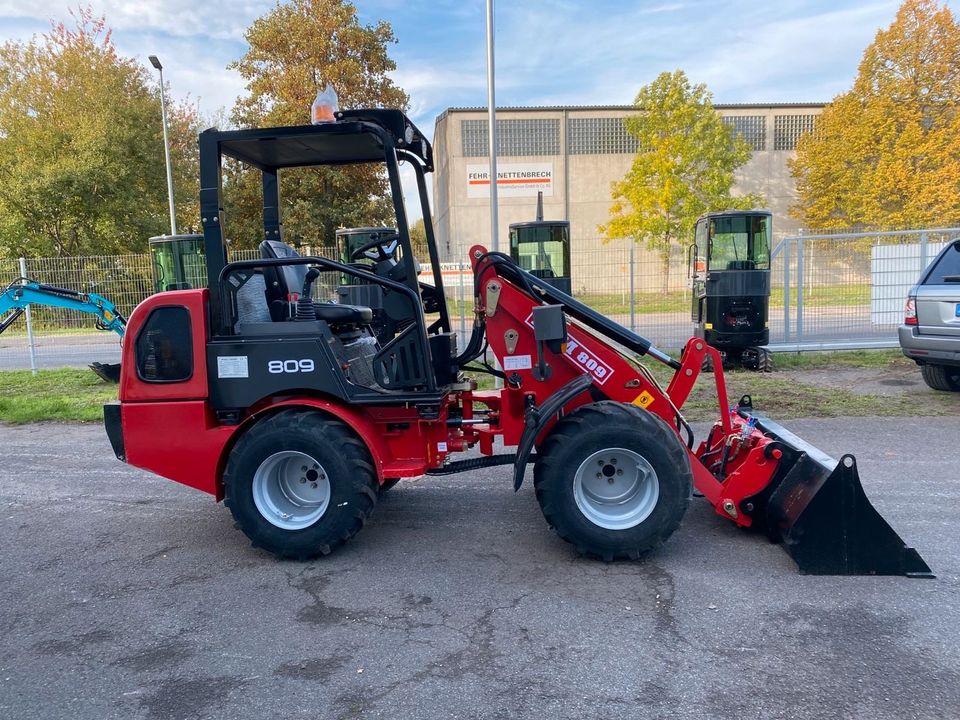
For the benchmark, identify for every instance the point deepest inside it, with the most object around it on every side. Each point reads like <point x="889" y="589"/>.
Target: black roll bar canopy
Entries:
<point x="357" y="136"/>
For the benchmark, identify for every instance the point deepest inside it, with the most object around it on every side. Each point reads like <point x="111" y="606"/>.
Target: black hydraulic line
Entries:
<point x="11" y="318"/>
<point x="576" y="309"/>
<point x="477" y="464"/>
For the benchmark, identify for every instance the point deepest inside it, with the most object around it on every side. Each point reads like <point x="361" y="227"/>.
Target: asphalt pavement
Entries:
<point x="124" y="595"/>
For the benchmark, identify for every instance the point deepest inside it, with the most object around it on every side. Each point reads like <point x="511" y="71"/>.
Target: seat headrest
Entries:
<point x="283" y="280"/>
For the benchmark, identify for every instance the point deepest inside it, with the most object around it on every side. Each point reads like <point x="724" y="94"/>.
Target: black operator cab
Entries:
<point x="178" y="262"/>
<point x="542" y="248"/>
<point x="730" y="270"/>
<point x="359" y="244"/>
<point x="357" y="329"/>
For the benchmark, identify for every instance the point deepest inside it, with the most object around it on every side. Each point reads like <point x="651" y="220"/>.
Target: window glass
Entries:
<point x="540" y="251"/>
<point x="760" y="248"/>
<point x="740" y="243"/>
<point x="164" y="349"/>
<point x="948" y="264"/>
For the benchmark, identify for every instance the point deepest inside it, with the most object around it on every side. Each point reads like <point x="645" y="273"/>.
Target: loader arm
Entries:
<point x="754" y="472"/>
<point x="22" y="293"/>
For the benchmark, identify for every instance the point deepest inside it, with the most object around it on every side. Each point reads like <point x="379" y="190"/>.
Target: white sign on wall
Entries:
<point x="513" y="180"/>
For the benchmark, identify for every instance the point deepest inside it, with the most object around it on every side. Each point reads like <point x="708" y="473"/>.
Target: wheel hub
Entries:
<point x="291" y="490"/>
<point x="616" y="488"/>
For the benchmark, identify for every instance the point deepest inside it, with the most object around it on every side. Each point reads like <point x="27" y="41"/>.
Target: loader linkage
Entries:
<point x="751" y="470"/>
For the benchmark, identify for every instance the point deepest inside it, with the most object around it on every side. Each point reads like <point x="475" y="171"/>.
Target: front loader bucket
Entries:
<point x="817" y="508"/>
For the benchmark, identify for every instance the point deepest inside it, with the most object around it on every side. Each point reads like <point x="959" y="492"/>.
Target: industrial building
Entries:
<point x="572" y="155"/>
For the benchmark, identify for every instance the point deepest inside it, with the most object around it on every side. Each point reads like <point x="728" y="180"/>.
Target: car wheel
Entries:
<point x="941" y="377"/>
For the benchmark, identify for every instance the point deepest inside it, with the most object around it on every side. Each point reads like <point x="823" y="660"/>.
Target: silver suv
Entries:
<point x="930" y="333"/>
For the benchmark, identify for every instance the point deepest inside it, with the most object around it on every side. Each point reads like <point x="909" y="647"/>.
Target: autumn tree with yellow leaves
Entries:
<point x="296" y="48"/>
<point x="886" y="154"/>
<point x="684" y="167"/>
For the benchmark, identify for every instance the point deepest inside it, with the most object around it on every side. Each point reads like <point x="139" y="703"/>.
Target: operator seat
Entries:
<point x="286" y="279"/>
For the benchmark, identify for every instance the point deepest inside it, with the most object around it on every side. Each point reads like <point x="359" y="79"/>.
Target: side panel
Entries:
<point x="247" y="369"/>
<point x="177" y="440"/>
<point x="132" y="388"/>
<point x="182" y="441"/>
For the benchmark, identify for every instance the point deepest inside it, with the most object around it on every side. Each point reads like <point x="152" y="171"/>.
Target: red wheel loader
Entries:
<point x="297" y="398"/>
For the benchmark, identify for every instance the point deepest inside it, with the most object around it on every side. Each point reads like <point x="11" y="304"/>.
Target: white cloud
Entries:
<point x="220" y="19"/>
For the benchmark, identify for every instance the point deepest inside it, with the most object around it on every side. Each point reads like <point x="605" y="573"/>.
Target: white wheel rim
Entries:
<point x="616" y="488"/>
<point x="291" y="490"/>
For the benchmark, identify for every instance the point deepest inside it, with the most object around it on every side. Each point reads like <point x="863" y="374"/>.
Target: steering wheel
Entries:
<point x="379" y="250"/>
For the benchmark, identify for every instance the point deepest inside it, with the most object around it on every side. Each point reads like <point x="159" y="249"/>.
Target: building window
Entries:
<point x="752" y="128"/>
<point x="787" y="129"/>
<point x="514" y="137"/>
<point x="599" y="136"/>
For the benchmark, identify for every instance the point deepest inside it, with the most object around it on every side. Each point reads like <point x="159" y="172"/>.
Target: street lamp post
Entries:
<point x="155" y="61"/>
<point x="492" y="132"/>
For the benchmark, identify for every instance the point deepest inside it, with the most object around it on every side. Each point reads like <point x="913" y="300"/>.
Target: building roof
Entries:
<point x="623" y="108"/>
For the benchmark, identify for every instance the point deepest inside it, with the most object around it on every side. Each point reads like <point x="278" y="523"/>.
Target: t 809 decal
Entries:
<point x="600" y="371"/>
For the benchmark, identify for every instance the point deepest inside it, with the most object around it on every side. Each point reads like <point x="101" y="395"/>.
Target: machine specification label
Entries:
<point x="517" y="362"/>
<point x="232" y="366"/>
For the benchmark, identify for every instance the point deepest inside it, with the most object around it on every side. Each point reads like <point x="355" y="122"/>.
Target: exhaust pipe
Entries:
<point x="817" y="508"/>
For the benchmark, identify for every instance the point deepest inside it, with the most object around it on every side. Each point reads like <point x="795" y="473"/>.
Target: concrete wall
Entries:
<point x="581" y="184"/>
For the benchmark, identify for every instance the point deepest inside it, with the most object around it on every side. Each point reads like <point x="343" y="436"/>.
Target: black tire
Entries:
<point x="594" y="428"/>
<point x="344" y="460"/>
<point x="941" y="377"/>
<point x="766" y="361"/>
<point x="387" y="484"/>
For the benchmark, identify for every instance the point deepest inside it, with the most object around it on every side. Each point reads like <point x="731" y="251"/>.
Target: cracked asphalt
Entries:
<point x="124" y="595"/>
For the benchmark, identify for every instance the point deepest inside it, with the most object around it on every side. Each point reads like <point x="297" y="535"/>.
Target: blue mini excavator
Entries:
<point x="24" y="292"/>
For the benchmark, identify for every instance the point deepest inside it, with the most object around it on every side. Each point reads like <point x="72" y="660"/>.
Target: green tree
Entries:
<point x="418" y="239"/>
<point x="684" y="167"/>
<point x="295" y="49"/>
<point x="81" y="147"/>
<point x="886" y="154"/>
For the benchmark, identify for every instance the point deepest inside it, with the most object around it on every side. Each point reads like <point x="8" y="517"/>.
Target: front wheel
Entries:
<point x="613" y="480"/>
<point x="300" y="484"/>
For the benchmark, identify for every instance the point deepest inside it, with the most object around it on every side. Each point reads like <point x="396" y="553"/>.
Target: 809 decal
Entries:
<point x="588" y="361"/>
<point x="277" y="367"/>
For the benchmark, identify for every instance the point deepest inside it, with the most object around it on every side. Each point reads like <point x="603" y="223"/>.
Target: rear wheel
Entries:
<point x="941" y="377"/>
<point x="299" y="484"/>
<point x="613" y="480"/>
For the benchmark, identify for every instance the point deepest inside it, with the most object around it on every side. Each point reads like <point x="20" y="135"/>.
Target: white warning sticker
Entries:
<point x="232" y="366"/>
<point x="517" y="362"/>
<point x="441" y="447"/>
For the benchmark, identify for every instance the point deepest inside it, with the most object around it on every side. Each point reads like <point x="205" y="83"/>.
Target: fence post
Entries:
<point x="33" y="347"/>
<point x="786" y="290"/>
<point x="633" y="304"/>
<point x="924" y="259"/>
<point x="463" y="313"/>
<point x="800" y="244"/>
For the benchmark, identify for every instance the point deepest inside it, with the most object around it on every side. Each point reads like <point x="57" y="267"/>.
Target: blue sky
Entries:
<point x="548" y="51"/>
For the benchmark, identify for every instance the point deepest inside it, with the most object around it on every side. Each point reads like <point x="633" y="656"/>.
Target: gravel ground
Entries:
<point x="128" y="596"/>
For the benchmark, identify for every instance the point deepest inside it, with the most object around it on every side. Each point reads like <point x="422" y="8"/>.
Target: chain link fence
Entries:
<point x="829" y="292"/>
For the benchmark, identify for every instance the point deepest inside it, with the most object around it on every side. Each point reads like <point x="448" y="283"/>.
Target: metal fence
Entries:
<point x="829" y="292"/>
